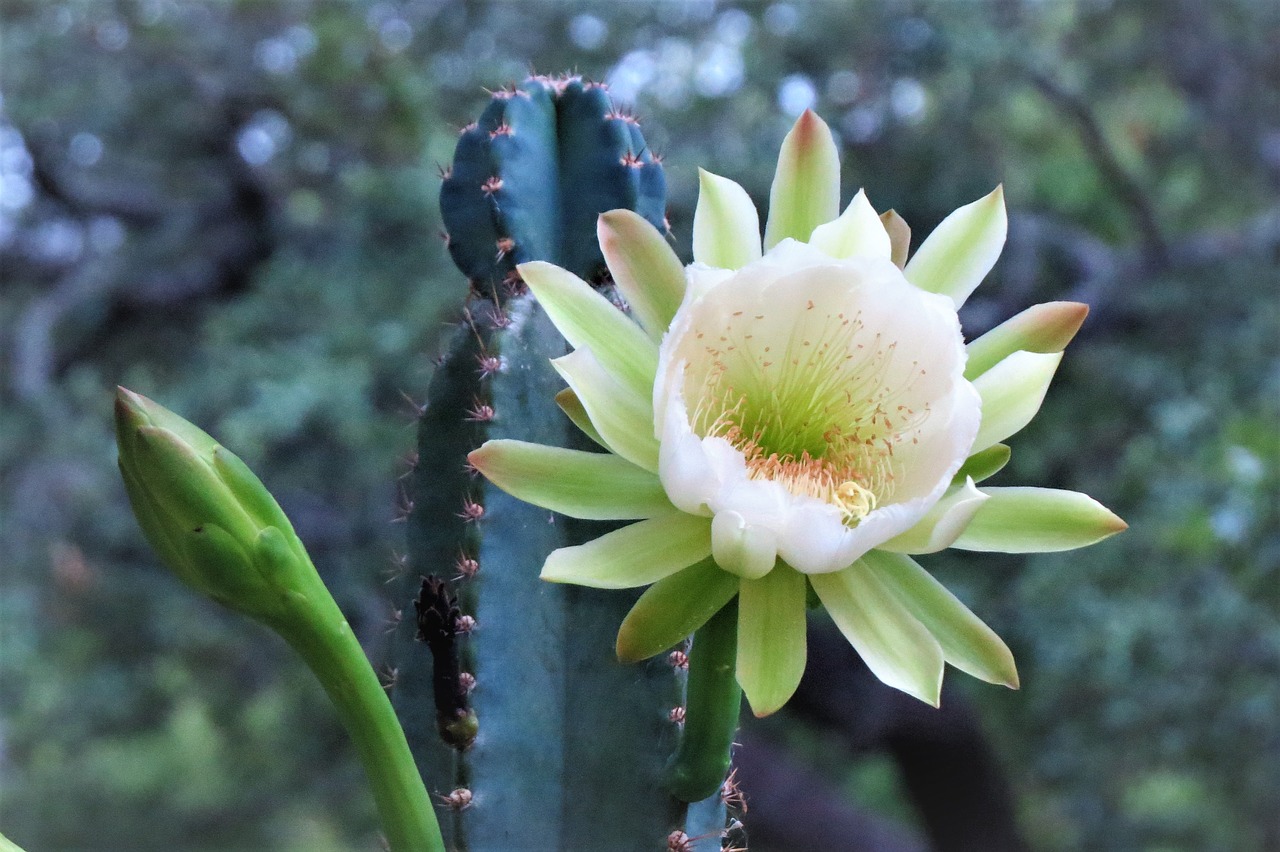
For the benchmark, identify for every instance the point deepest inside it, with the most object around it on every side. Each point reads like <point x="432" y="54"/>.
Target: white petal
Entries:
<point x="943" y="524"/>
<point x="857" y="233"/>
<point x="748" y="550"/>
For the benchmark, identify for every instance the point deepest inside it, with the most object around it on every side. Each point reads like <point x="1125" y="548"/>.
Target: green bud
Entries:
<point x="210" y="519"/>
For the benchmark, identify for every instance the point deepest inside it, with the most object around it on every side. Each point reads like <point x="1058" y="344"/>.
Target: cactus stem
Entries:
<point x="466" y="128"/>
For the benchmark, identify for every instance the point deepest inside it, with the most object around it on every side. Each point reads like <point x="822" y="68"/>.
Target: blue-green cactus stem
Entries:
<point x="530" y="177"/>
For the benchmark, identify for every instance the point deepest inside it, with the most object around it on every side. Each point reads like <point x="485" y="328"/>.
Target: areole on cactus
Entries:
<point x="798" y="413"/>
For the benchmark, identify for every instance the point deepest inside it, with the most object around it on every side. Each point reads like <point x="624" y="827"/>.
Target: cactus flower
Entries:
<point x="797" y="413"/>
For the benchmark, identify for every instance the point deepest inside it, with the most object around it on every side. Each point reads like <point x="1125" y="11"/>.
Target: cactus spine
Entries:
<point x="537" y="737"/>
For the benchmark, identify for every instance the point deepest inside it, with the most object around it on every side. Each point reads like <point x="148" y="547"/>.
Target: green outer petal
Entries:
<point x="960" y="252"/>
<point x="586" y="318"/>
<point x="1040" y="328"/>
<point x="635" y="555"/>
<point x="623" y="418"/>
<point x="1038" y="520"/>
<point x="726" y="225"/>
<point x="672" y="608"/>
<point x="1012" y="392"/>
<point x="593" y="486"/>
<point x="983" y="465"/>
<point x="858" y="232"/>
<point x="806" y="185"/>
<point x="899" y="237"/>
<point x="891" y="641"/>
<point x="942" y="524"/>
<point x="572" y="408"/>
<point x="645" y="269"/>
<point x="967" y="643"/>
<point x="771" y="638"/>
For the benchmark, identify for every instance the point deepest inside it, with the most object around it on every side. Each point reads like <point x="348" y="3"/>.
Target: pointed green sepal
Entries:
<point x="622" y="417"/>
<point x="672" y="608"/>
<point x="960" y="252"/>
<point x="645" y="269"/>
<point x="967" y="643"/>
<point x="635" y="555"/>
<point x="588" y="319"/>
<point x="891" y="641"/>
<point x="771" y="638"/>
<point x="726" y="225"/>
<point x="984" y="464"/>
<point x="899" y="237"/>
<point x="593" y="486"/>
<point x="1045" y="328"/>
<point x="806" y="185"/>
<point x="1012" y="392"/>
<point x="1038" y="520"/>
<point x="577" y="414"/>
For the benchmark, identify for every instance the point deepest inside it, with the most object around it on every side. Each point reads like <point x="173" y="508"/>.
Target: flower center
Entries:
<point x="818" y="409"/>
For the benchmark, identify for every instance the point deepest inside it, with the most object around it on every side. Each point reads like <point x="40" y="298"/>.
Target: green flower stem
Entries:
<point x="330" y="649"/>
<point x="711" y="710"/>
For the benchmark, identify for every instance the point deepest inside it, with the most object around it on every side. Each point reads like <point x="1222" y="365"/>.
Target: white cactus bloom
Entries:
<point x="793" y="413"/>
<point x="814" y="407"/>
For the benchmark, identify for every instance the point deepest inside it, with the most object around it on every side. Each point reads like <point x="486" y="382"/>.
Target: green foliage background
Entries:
<point x="230" y="206"/>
